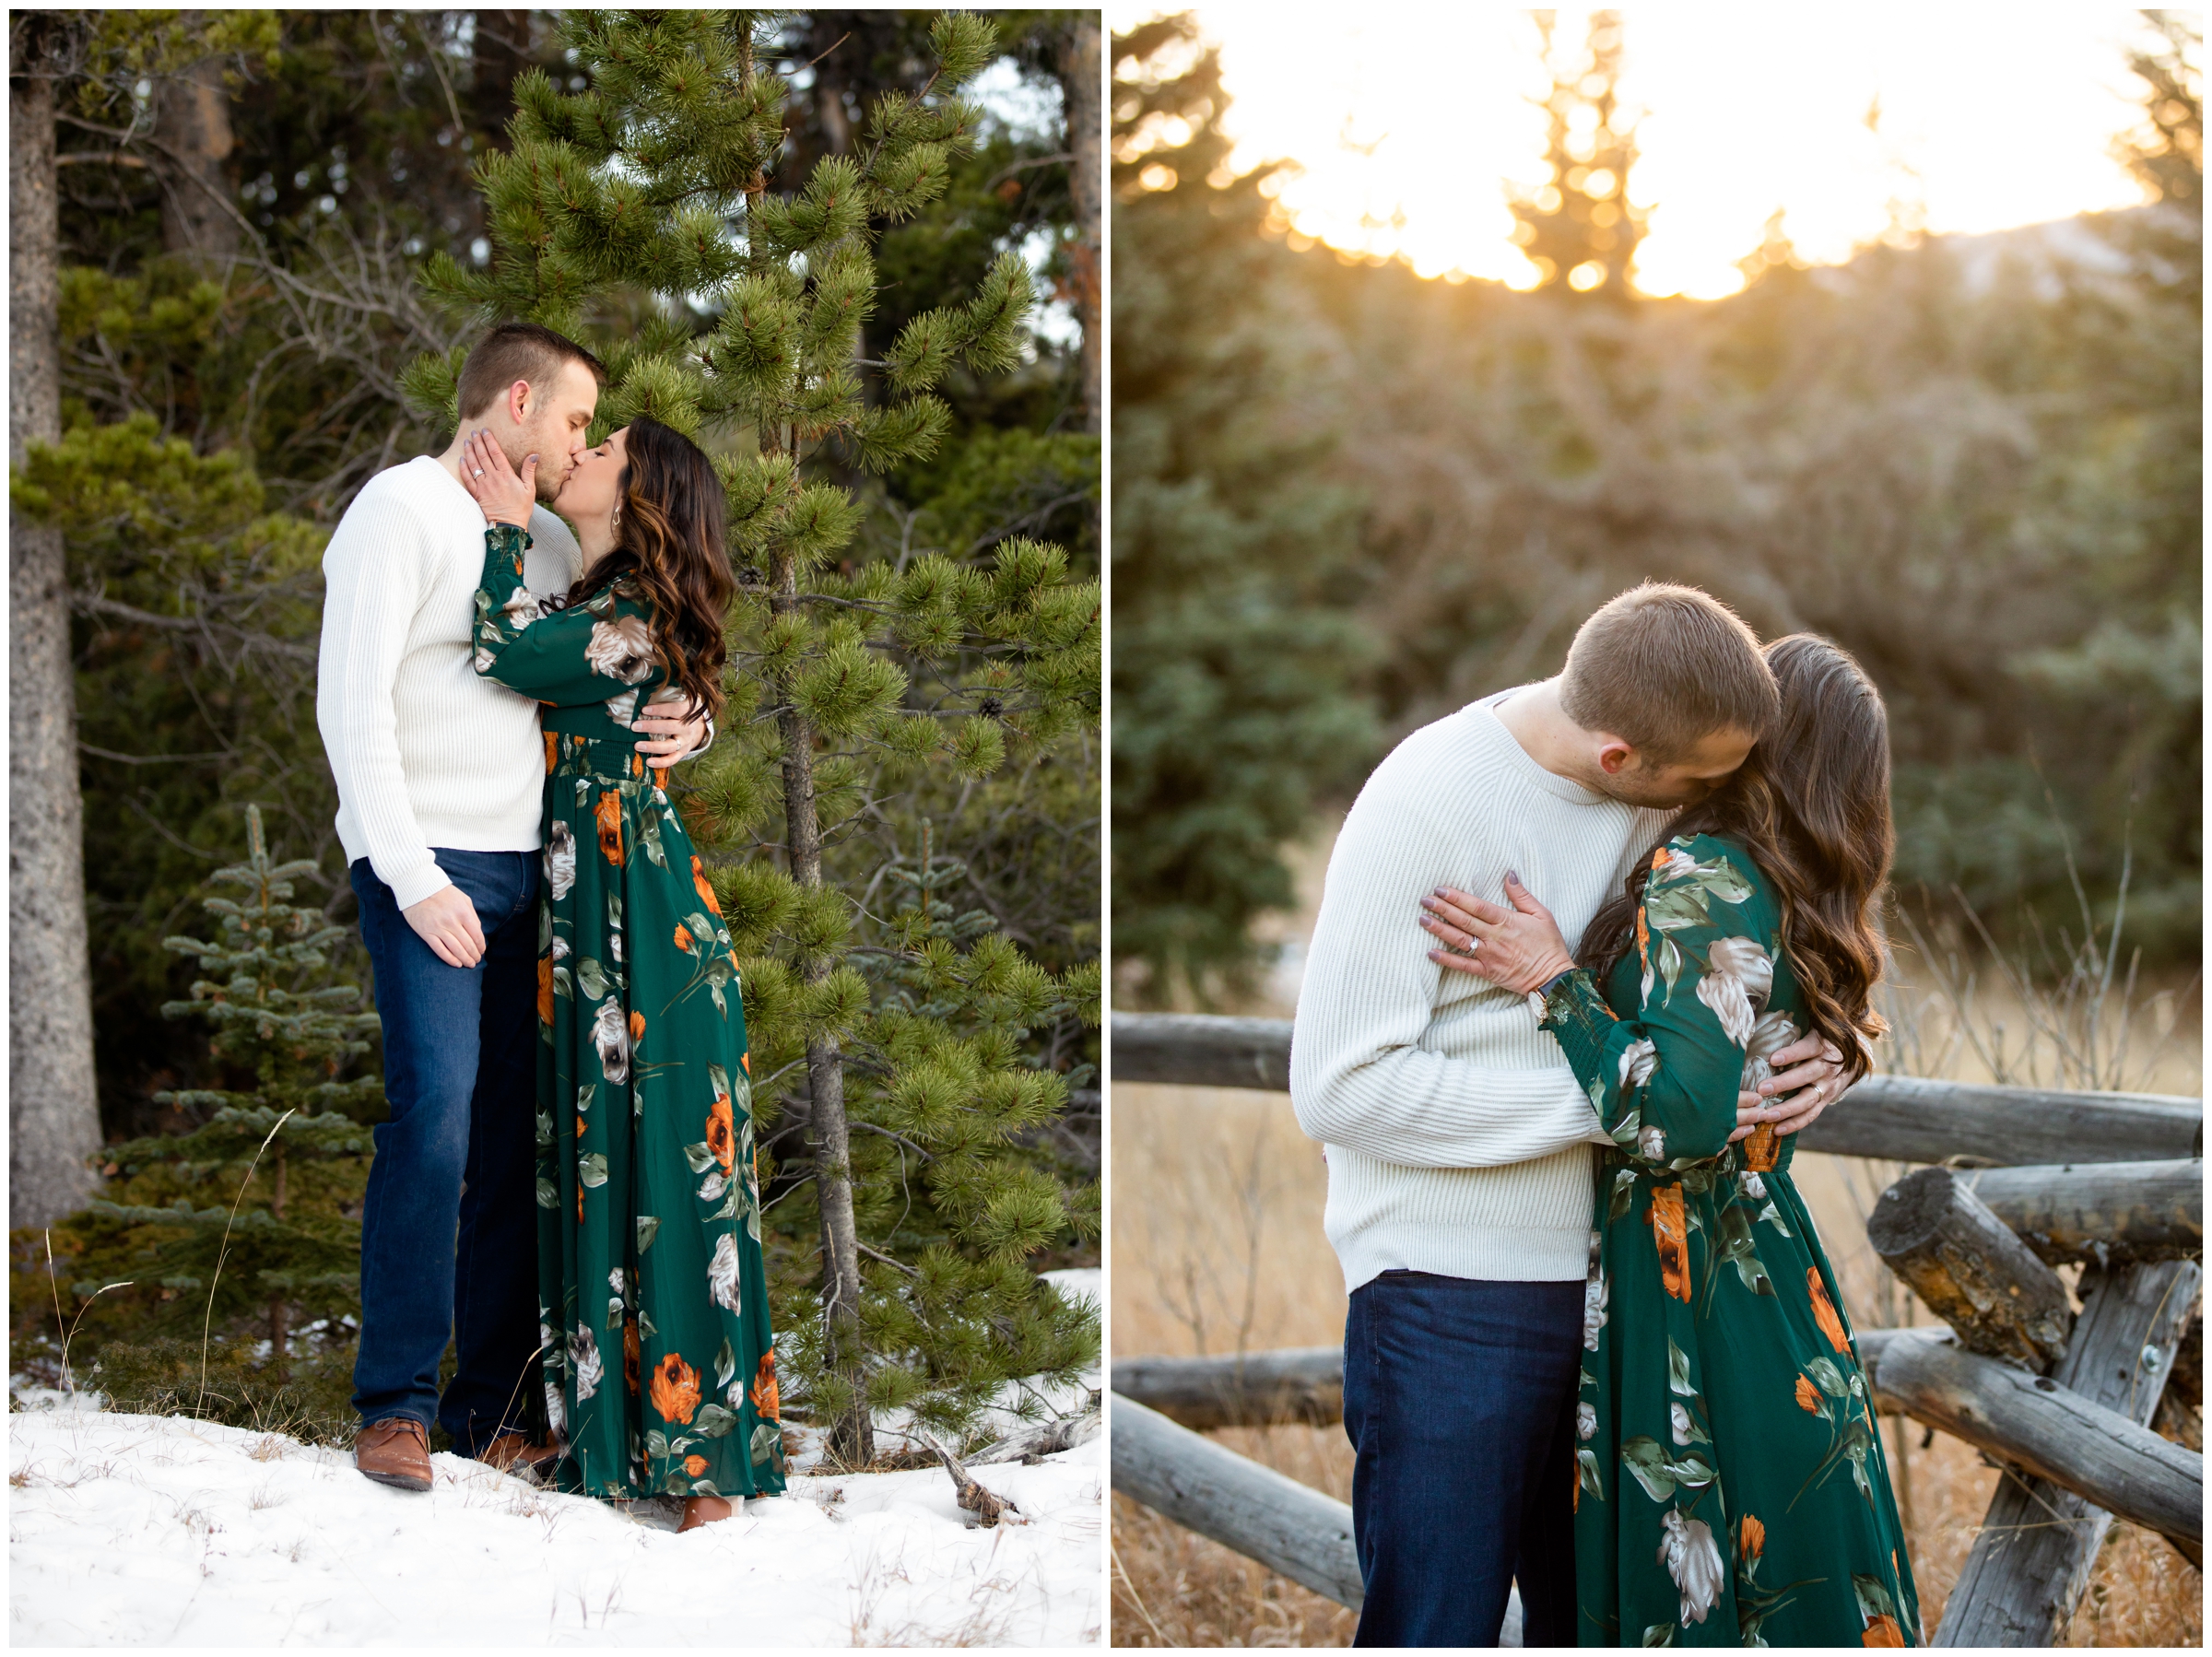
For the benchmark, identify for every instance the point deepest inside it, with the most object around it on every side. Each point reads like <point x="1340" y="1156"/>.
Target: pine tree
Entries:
<point x="1579" y="227"/>
<point x="649" y="208"/>
<point x="273" y="1013"/>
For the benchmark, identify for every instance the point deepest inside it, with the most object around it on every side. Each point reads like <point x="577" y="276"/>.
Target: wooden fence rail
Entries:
<point x="1290" y="1528"/>
<point x="1907" y="1119"/>
<point x="2064" y="1401"/>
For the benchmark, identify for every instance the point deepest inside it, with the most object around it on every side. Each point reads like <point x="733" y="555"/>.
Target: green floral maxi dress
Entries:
<point x="1730" y="1484"/>
<point x="659" y="1371"/>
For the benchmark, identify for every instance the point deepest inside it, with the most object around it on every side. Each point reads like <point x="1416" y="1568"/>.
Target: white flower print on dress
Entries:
<point x="610" y="1035"/>
<point x="557" y="1412"/>
<point x="583" y="1350"/>
<point x="1754" y="1187"/>
<point x="721" y="1272"/>
<point x="1691" y="1559"/>
<point x="1639" y="1063"/>
<point x="1739" y="976"/>
<point x="1595" y="1293"/>
<point x="560" y="859"/>
<point x="1586" y="1422"/>
<point x="1678" y="863"/>
<point x="1651" y="1144"/>
<point x="622" y="708"/>
<point x="525" y="607"/>
<point x="1677" y="1419"/>
<point x="620" y="649"/>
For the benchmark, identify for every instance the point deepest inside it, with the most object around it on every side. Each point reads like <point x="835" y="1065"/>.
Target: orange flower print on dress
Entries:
<point x="544" y="989"/>
<point x="1670" y="1233"/>
<point x="1883" y="1631"/>
<point x="695" y="1465"/>
<point x="1824" y="1310"/>
<point x="607" y="813"/>
<point x="722" y="1133"/>
<point x="683" y="937"/>
<point x="1751" y="1538"/>
<point x="706" y="888"/>
<point x="552" y="751"/>
<point x="675" y="1390"/>
<point x="629" y="1352"/>
<point x="1808" y="1399"/>
<point x="637" y="1028"/>
<point x="766" y="1401"/>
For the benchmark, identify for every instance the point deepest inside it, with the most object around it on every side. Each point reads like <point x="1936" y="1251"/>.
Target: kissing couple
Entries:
<point x="502" y="694"/>
<point x="1589" y="953"/>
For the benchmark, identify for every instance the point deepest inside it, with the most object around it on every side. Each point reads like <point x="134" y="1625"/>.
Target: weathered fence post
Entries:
<point x="2031" y="1561"/>
<point x="1969" y="1269"/>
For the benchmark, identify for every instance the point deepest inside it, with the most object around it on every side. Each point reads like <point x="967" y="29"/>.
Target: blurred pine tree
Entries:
<point x="1235" y="672"/>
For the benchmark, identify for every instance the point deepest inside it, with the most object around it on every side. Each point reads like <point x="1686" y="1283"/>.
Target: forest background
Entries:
<point x="247" y="202"/>
<point x="1348" y="501"/>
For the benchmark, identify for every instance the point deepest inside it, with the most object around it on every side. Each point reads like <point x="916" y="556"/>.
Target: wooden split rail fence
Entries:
<point x="2069" y="1404"/>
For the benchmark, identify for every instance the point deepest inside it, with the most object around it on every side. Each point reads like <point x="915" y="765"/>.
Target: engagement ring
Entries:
<point x="475" y="471"/>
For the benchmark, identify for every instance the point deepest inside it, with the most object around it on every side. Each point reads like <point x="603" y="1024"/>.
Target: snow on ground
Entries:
<point x="145" y="1529"/>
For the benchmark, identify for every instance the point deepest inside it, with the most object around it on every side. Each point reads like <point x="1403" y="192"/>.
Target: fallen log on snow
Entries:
<point x="1044" y="1437"/>
<point x="2100" y="1211"/>
<point x="1257" y="1389"/>
<point x="2032" y="1560"/>
<point x="1907" y="1119"/>
<point x="1968" y="1269"/>
<point x="2050" y="1431"/>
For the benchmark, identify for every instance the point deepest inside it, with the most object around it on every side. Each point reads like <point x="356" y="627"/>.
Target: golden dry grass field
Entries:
<point x="1218" y="1247"/>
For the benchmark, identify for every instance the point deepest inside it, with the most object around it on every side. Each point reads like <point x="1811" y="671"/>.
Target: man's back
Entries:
<point x="425" y="752"/>
<point x="1456" y="1134"/>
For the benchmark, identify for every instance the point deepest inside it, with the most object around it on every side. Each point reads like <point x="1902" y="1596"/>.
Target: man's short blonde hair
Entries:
<point x="1661" y="667"/>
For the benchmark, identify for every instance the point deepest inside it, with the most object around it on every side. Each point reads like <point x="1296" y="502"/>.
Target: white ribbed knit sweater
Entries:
<point x="1458" y="1141"/>
<point x="425" y="753"/>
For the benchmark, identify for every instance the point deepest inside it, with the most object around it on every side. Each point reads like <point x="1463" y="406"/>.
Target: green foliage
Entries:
<point x="897" y="679"/>
<point x="249" y="1217"/>
<point x="1236" y="672"/>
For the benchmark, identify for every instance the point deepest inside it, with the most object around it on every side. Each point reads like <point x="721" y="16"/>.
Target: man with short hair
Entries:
<point x="440" y="776"/>
<point x="1458" y="1141"/>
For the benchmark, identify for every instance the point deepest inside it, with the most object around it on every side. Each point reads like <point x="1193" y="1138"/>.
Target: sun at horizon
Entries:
<point x="1408" y="124"/>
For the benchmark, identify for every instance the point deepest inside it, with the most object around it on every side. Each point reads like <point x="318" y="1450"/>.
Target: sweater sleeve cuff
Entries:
<point x="417" y="884"/>
<point x="1578" y="1019"/>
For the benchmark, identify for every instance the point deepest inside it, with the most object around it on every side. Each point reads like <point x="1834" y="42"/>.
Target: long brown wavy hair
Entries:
<point x="1811" y="805"/>
<point x="668" y="545"/>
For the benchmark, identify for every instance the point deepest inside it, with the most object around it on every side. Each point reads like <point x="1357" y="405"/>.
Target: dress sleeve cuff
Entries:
<point x="507" y="537"/>
<point x="1578" y="1019"/>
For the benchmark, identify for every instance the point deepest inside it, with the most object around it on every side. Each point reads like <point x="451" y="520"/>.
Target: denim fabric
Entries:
<point x="1459" y="1400"/>
<point x="454" y="1176"/>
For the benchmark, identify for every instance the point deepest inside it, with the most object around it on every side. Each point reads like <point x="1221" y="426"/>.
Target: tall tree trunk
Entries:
<point x="852" y="1435"/>
<point x="53" y="1106"/>
<point x="192" y="124"/>
<point x="1080" y="91"/>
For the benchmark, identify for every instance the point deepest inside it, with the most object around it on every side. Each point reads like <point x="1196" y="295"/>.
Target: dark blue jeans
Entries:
<point x="1459" y="1399"/>
<point x="448" y="1229"/>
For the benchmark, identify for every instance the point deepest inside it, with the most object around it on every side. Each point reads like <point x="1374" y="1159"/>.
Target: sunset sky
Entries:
<point x="1408" y="117"/>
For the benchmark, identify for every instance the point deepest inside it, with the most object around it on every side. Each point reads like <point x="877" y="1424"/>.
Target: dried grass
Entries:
<point x="1218" y="1248"/>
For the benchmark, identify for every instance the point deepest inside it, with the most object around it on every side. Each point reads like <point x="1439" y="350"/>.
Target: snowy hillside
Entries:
<point x="137" y="1529"/>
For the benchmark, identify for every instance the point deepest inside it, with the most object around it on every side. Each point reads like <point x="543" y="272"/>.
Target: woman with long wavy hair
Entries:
<point x="658" y="1363"/>
<point x="1730" y="1487"/>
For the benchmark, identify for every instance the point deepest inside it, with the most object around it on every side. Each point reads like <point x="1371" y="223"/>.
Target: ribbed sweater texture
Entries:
<point x="425" y="753"/>
<point x="1457" y="1139"/>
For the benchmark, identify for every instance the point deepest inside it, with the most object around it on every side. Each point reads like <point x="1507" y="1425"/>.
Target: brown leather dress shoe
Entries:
<point x="513" y="1452"/>
<point x="703" y="1510"/>
<point x="395" y="1452"/>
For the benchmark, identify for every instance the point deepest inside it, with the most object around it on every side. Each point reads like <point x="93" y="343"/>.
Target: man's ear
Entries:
<point x="518" y="401"/>
<point x="1615" y="756"/>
